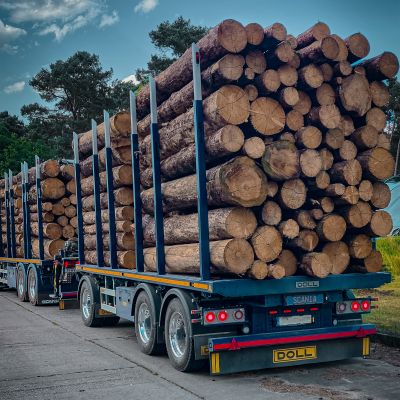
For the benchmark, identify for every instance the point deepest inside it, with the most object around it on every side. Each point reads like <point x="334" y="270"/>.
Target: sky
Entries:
<point x="35" y="33"/>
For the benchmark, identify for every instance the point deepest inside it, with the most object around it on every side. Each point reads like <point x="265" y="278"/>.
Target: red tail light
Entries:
<point x="210" y="317"/>
<point x="222" y="316"/>
<point x="355" y="306"/>
<point x="69" y="264"/>
<point x="365" y="305"/>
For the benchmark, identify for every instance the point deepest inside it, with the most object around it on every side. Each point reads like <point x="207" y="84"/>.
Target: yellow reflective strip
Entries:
<point x="217" y="369"/>
<point x="101" y="271"/>
<point x="157" y="279"/>
<point x="61" y="305"/>
<point x="213" y="363"/>
<point x="201" y="285"/>
<point x="23" y="260"/>
<point x="366" y="346"/>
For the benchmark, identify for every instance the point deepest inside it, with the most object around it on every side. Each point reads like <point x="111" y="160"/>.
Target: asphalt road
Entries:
<point x="49" y="354"/>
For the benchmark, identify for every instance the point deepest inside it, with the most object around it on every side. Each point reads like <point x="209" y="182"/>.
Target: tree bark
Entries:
<point x="317" y="32"/>
<point x="384" y="66"/>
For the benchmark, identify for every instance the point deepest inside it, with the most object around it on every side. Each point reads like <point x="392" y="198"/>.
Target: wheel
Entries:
<point x="21" y="285"/>
<point x="32" y="287"/>
<point x="180" y="346"/>
<point x="88" y="303"/>
<point x="146" y="326"/>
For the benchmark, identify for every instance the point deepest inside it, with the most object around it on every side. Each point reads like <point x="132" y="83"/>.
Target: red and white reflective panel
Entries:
<point x="224" y="316"/>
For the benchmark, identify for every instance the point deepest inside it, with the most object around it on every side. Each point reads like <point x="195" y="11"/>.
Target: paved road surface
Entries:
<point x="49" y="354"/>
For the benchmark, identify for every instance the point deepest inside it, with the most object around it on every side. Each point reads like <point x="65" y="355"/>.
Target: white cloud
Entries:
<point x="15" y="87"/>
<point x="9" y="33"/>
<point x="46" y="10"/>
<point x="108" y="20"/>
<point x="146" y="6"/>
<point x="60" y="31"/>
<point x="8" y="48"/>
<point x="130" y="79"/>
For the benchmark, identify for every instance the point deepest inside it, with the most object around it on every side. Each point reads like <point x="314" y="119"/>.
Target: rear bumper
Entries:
<point x="253" y="352"/>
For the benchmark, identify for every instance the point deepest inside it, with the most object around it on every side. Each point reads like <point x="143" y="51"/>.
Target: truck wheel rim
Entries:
<point x="144" y="323"/>
<point x="32" y="286"/>
<point x="177" y="334"/>
<point x="86" y="303"/>
<point x="20" y="283"/>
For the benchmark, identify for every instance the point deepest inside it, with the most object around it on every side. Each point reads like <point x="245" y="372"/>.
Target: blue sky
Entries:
<point x="34" y="33"/>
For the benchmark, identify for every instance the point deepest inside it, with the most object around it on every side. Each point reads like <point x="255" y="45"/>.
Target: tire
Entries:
<point x="32" y="287"/>
<point x="178" y="338"/>
<point x="88" y="302"/>
<point x="146" y="325"/>
<point x="21" y="285"/>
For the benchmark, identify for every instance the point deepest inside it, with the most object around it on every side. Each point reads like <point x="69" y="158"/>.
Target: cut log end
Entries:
<point x="316" y="264"/>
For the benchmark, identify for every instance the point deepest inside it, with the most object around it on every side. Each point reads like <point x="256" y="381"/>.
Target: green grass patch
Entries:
<point x="387" y="315"/>
<point x="390" y="249"/>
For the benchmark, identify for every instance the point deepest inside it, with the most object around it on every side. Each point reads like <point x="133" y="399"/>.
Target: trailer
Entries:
<point x="231" y="324"/>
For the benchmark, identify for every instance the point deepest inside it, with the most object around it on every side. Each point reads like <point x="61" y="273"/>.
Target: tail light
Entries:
<point x="69" y="263"/>
<point x="356" y="306"/>
<point x="365" y="305"/>
<point x="224" y="316"/>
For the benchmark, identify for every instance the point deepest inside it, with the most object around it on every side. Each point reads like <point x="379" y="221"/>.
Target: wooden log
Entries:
<point x="237" y="182"/>
<point x="254" y="147"/>
<point x="51" y="247"/>
<point x="125" y="241"/>
<point x="342" y="68"/>
<point x="310" y="163"/>
<point x="224" y="223"/>
<point x="120" y="126"/>
<point x="358" y="215"/>
<point x="251" y="91"/>
<point x="347" y="151"/>
<point x="68" y="232"/>
<point x="293" y="194"/>
<point x="58" y="209"/>
<point x="123" y="197"/>
<point x="377" y="163"/>
<point x="327" y="159"/>
<point x="316" y="264"/>
<point x="267" y="243"/>
<point x="271" y="213"/>
<point x="272" y="189"/>
<point x="280" y="55"/>
<point x="255" y="34"/>
<point x="288" y="97"/>
<point x="52" y="189"/>
<point x="303" y="106"/>
<point x="120" y="226"/>
<point x="122" y="176"/>
<point x="372" y="263"/>
<point x="258" y="270"/>
<point x="355" y="94"/>
<point x="62" y="220"/>
<point x="310" y="77"/>
<point x="358" y="46"/>
<point x="295" y="61"/>
<point x="74" y="222"/>
<point x="47" y="217"/>
<point x="67" y="172"/>
<point x="348" y="172"/>
<point x="350" y="196"/>
<point x="125" y="259"/>
<point x="289" y="228"/>
<point x="70" y="211"/>
<point x="365" y="137"/>
<point x="343" y="51"/>
<point x="273" y="35"/>
<point x="51" y="230"/>
<point x="249" y="74"/>
<point x="267" y="116"/>
<point x="346" y="125"/>
<point x="334" y="138"/>
<point x="384" y="141"/>
<point x="325" y="116"/>
<point x="379" y="93"/>
<point x="377" y="118"/>
<point x="268" y="82"/>
<point x="325" y="95"/>
<point x="365" y="190"/>
<point x="65" y="201"/>
<point x="228" y="37"/>
<point x="381" y="223"/>
<point x="320" y="51"/>
<point x="255" y="60"/>
<point x="317" y="32"/>
<point x="288" y="75"/>
<point x="70" y="187"/>
<point x="281" y="160"/>
<point x="331" y="228"/>
<point x="384" y="66"/>
<point x="381" y="195"/>
<point x="294" y="120"/>
<point x="305" y="219"/>
<point x="309" y="137"/>
<point x="292" y="40"/>
<point x="327" y="71"/>
<point x="335" y="189"/>
<point x="360" y="246"/>
<point x="232" y="256"/>
<point x="123" y="213"/>
<point x="338" y="253"/>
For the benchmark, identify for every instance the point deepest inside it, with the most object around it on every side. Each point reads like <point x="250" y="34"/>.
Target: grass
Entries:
<point x="387" y="315"/>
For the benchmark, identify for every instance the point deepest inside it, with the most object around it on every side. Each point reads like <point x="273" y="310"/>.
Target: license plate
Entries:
<point x="303" y="299"/>
<point x="294" y="354"/>
<point x="294" y="320"/>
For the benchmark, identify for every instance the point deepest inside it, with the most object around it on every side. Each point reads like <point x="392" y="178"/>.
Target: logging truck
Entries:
<point x="232" y="322"/>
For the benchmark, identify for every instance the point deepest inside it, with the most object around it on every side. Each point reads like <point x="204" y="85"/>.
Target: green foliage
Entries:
<point x="390" y="249"/>
<point x="171" y="39"/>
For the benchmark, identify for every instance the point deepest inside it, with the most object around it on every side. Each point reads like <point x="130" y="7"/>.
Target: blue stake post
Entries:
<point x="110" y="194"/>
<point x="27" y="213"/>
<point x="79" y="212"/>
<point x="137" y="202"/>
<point x="12" y="215"/>
<point x="39" y="207"/>
<point x="202" y="205"/>
<point x="8" y="227"/>
<point x="155" y="155"/>
<point x="96" y="193"/>
<point x="23" y="208"/>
